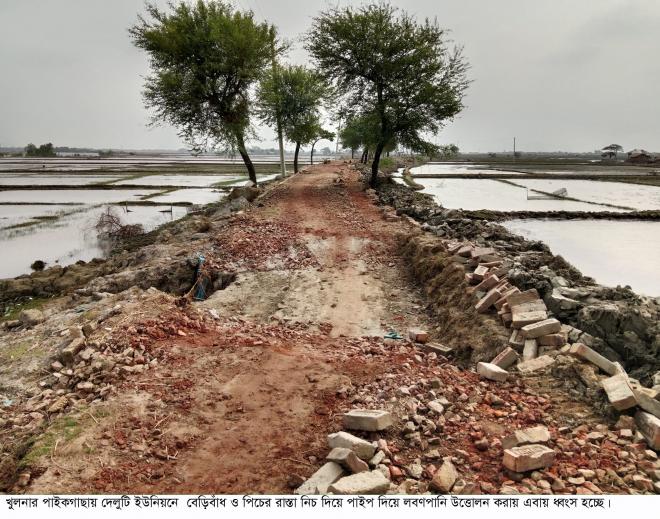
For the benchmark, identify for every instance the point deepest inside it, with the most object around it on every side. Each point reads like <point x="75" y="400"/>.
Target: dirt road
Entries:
<point x="245" y="406"/>
<point x="244" y="387"/>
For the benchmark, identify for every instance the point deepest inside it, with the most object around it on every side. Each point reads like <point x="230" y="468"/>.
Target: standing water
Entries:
<point x="613" y="252"/>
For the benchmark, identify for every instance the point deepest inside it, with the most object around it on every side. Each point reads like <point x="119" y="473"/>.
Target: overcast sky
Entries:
<point x="557" y="74"/>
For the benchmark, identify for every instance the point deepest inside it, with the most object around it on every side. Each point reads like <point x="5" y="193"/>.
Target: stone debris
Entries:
<point x="528" y="457"/>
<point x="489" y="282"/>
<point x="536" y="364"/>
<point x="539" y="321"/>
<point x="364" y="449"/>
<point x="646" y="401"/>
<point x="445" y="478"/>
<point x="619" y="392"/>
<point x="440" y="349"/>
<point x="488" y="300"/>
<point x="649" y="427"/>
<point x="555" y="340"/>
<point x="522" y="319"/>
<point x="532" y="331"/>
<point x="31" y="317"/>
<point x="492" y="372"/>
<point x="480" y="252"/>
<point x="523" y="297"/>
<point x="530" y="350"/>
<point x="506" y="358"/>
<point x="319" y="482"/>
<point x="347" y="459"/>
<point x="538" y="434"/>
<point x="68" y="354"/>
<point x="367" y="420"/>
<point x="517" y="340"/>
<point x="436" y="406"/>
<point x="479" y="273"/>
<point x="585" y="352"/>
<point x="363" y="483"/>
<point x="417" y="335"/>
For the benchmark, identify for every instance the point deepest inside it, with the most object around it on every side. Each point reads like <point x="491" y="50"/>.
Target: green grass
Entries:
<point x="61" y="431"/>
<point x="12" y="310"/>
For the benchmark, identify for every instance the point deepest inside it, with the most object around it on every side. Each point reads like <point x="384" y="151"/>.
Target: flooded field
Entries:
<point x="475" y="194"/>
<point x="71" y="237"/>
<point x="582" y="169"/>
<point x="57" y="225"/>
<point x="495" y="168"/>
<point x="138" y="162"/>
<point x="635" y="196"/>
<point x="12" y="215"/>
<point x="34" y="179"/>
<point x="612" y="252"/>
<point x="67" y="196"/>
<point x="458" y="168"/>
<point x="195" y="196"/>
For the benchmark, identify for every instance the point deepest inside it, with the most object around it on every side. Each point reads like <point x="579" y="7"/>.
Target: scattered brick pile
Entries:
<point x="252" y="244"/>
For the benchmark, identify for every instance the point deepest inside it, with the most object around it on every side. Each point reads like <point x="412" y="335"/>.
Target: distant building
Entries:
<point x="640" y="157"/>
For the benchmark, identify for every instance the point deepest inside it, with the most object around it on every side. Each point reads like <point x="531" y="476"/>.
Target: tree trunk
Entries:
<point x="375" y="164"/>
<point x="295" y="158"/>
<point x="311" y="156"/>
<point x="352" y="153"/>
<point x="240" y="143"/>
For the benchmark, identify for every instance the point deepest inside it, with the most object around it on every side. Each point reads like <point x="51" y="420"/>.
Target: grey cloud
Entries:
<point x="557" y="74"/>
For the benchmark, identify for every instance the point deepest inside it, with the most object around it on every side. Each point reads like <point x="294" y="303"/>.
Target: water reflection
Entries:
<point x="72" y="237"/>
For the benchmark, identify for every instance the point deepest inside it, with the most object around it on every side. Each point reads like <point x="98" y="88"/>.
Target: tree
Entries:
<point x="388" y="64"/>
<point x="205" y="57"/>
<point x="294" y="94"/>
<point x="320" y="135"/>
<point x="350" y="137"/>
<point x="361" y="131"/>
<point x="449" y="151"/>
<point x="612" y="149"/>
<point x="30" y="150"/>
<point x="45" y="150"/>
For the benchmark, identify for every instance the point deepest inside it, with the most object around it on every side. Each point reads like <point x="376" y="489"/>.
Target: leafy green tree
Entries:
<point x="45" y="150"/>
<point x="30" y="150"/>
<point x="362" y="131"/>
<point x="388" y="64"/>
<point x="350" y="137"/>
<point x="612" y="149"/>
<point x="294" y="95"/>
<point x="205" y="57"/>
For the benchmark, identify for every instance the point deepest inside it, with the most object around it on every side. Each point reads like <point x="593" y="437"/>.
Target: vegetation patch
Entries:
<point x="11" y="310"/>
<point x="15" y="352"/>
<point x="60" y="433"/>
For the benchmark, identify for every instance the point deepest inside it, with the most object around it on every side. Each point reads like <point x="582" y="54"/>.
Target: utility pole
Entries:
<point x="279" y="122"/>
<point x="514" y="148"/>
